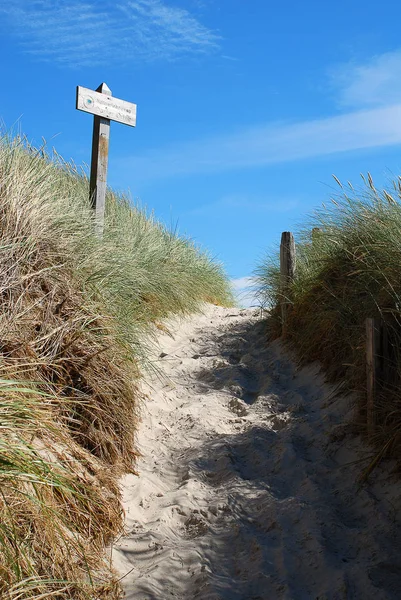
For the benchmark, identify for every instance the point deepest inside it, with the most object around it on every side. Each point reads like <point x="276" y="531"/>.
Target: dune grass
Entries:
<point x="76" y="316"/>
<point x="347" y="270"/>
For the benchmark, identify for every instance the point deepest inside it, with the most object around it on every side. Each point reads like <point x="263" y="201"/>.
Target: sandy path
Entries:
<point x="246" y="490"/>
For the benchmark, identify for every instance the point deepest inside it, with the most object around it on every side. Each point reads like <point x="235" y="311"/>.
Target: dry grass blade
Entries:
<point x="350" y="272"/>
<point x="75" y="324"/>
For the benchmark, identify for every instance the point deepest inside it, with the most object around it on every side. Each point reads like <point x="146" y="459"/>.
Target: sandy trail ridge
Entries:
<point x="247" y="486"/>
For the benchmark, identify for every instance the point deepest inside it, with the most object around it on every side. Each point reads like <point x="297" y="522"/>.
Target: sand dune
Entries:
<point x="248" y="480"/>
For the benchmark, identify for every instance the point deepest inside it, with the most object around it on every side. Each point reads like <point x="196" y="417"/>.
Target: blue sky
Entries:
<point x="245" y="108"/>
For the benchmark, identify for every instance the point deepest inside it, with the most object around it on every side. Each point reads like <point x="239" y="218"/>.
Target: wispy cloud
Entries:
<point x="375" y="82"/>
<point x="269" y="143"/>
<point x="77" y="33"/>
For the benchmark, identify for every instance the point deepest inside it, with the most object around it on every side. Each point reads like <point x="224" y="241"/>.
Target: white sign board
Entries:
<point x="106" y="106"/>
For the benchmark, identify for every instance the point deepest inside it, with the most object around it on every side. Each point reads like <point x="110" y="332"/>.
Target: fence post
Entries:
<point x="287" y="271"/>
<point x="374" y="336"/>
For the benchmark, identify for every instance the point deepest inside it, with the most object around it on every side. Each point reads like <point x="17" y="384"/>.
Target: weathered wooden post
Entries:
<point x="373" y="369"/>
<point x="99" y="164"/>
<point x="287" y="271"/>
<point x="105" y="108"/>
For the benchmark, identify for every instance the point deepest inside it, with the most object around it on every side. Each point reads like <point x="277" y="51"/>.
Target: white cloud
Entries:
<point x="77" y="33"/>
<point x="376" y="82"/>
<point x="269" y="143"/>
<point x="244" y="291"/>
<point x="242" y="282"/>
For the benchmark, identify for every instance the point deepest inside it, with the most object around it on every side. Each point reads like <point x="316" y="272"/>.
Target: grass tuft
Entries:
<point x="76" y="315"/>
<point x="348" y="269"/>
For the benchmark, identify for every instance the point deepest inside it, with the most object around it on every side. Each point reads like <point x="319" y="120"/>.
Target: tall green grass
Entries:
<point x="76" y="318"/>
<point x="348" y="270"/>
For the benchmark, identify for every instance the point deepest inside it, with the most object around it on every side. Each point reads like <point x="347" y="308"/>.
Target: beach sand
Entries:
<point x="247" y="485"/>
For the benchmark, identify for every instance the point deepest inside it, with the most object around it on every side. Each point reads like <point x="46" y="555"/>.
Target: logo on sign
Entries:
<point x="89" y="102"/>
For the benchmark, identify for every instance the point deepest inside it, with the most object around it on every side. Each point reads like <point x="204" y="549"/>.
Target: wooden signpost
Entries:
<point x="105" y="108"/>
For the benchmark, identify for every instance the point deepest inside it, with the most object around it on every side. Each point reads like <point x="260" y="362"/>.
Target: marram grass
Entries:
<point x="75" y="317"/>
<point x="348" y="270"/>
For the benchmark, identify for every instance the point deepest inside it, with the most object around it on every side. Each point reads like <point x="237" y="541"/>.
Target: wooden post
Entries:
<point x="287" y="270"/>
<point x="105" y="108"/>
<point x="373" y="370"/>
<point x="99" y="163"/>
